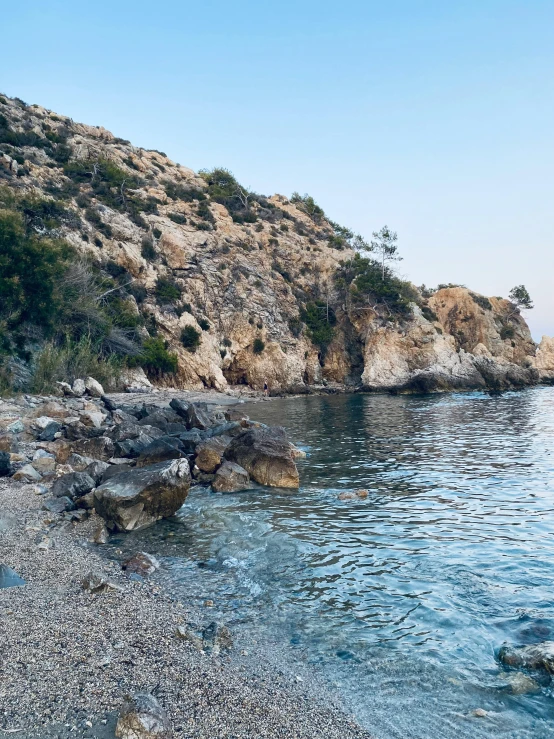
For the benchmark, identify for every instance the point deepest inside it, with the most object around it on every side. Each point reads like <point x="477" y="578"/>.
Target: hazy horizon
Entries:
<point x="433" y="120"/>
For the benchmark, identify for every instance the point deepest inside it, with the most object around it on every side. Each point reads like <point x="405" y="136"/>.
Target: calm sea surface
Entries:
<point x="401" y="599"/>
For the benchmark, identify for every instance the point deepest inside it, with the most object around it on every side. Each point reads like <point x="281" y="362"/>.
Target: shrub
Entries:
<point x="181" y="192"/>
<point x="227" y="342"/>
<point x="190" y="338"/>
<point x="157" y="233"/>
<point x="167" y="290"/>
<point x="204" y="324"/>
<point x="320" y="320"/>
<point x="177" y="218"/>
<point x="156" y="359"/>
<point x="258" y="346"/>
<point x="147" y="248"/>
<point x="481" y="301"/>
<point x="507" y="332"/>
<point x="295" y="326"/>
<point x="307" y="204"/>
<point x="429" y="313"/>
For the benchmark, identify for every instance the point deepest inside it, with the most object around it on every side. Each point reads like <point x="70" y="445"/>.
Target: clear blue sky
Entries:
<point x="433" y="117"/>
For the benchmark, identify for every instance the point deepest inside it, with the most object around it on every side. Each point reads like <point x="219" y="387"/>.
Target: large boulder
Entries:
<point x="93" y="387"/>
<point x="141" y="496"/>
<point x="530" y="657"/>
<point x="100" y="447"/>
<point x="231" y="478"/>
<point x="265" y="454"/>
<point x="160" y="450"/>
<point x="73" y="485"/>
<point x="194" y="414"/>
<point x="209" y="453"/>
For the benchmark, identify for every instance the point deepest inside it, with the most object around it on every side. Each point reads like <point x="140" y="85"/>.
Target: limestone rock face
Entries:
<point x="266" y="455"/>
<point x="141" y="496"/>
<point x="544" y="359"/>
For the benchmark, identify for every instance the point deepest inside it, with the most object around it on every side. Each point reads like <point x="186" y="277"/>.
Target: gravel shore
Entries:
<point x="68" y="658"/>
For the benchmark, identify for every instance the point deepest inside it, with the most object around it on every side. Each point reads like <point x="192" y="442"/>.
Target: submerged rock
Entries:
<point x="231" y="478"/>
<point x="530" y="657"/>
<point x="141" y="496"/>
<point x="142" y="564"/>
<point x="9" y="578"/>
<point x="142" y="717"/>
<point x="265" y="454"/>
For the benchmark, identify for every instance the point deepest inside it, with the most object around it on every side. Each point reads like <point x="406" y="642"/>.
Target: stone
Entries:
<point x="5" y="464"/>
<point x="78" y="462"/>
<point x="93" y="387"/>
<point x="231" y="478"/>
<point x="101" y="447"/>
<point x="8" y="443"/>
<point x="49" y="433"/>
<point x="85" y="501"/>
<point x="353" y="495"/>
<point x="142" y="564"/>
<point x="101" y="535"/>
<point x="45" y="466"/>
<point x="189" y="636"/>
<point x="79" y="388"/>
<point x="142" y="717"/>
<point x="160" y="450"/>
<point x="190" y="440"/>
<point x="209" y="453"/>
<point x="93" y="418"/>
<point x="16" y="427"/>
<point x="66" y="388"/>
<point x="142" y="496"/>
<point x="59" y="505"/>
<point x="216" y="637"/>
<point x="109" y="404"/>
<point x="265" y="454"/>
<point x="530" y="657"/>
<point x="73" y="485"/>
<point x="27" y="474"/>
<point x="9" y="578"/>
<point x="194" y="415"/>
<point x="297" y="453"/>
<point x="520" y="684"/>
<point x="96" y="469"/>
<point x="53" y="410"/>
<point x="95" y="582"/>
<point x="40" y="453"/>
<point x="232" y="428"/>
<point x="132" y="447"/>
<point x="42" y="422"/>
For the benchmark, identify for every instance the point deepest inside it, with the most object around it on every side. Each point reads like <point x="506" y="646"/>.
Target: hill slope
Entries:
<point x="203" y="283"/>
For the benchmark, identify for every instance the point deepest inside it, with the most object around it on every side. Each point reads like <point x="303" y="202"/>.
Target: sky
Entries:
<point x="432" y="117"/>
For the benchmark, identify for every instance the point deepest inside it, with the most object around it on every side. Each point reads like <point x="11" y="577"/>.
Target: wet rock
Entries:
<point x="265" y="454"/>
<point x="9" y="578"/>
<point x="353" y="495"/>
<point x="59" y="505"/>
<point x="100" y="447"/>
<point x="160" y="450"/>
<point x="530" y="657"/>
<point x="27" y="474"/>
<point x="233" y="414"/>
<point x="231" y="478"/>
<point x="142" y="564"/>
<point x="143" y="495"/>
<point x="78" y="388"/>
<point x="5" y="464"/>
<point x="297" y="453"/>
<point x="93" y="387"/>
<point x="73" y="485"/>
<point x="519" y="684"/>
<point x="216" y="637"/>
<point x="142" y="717"/>
<point x="95" y="469"/>
<point x="209" y="453"/>
<point x="95" y="582"/>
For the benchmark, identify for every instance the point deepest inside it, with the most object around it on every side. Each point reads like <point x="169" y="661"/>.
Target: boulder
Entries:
<point x="96" y="469"/>
<point x="45" y="465"/>
<point x="209" y="453"/>
<point x="530" y="657"/>
<point x="142" y="564"/>
<point x="100" y="447"/>
<point x="9" y="578"/>
<point x="190" y="440"/>
<point x="8" y="443"/>
<point x="5" y="464"/>
<point x="266" y="455"/>
<point x="59" y="505"/>
<point x="50" y="431"/>
<point x="79" y="388"/>
<point x="73" y="485"/>
<point x="231" y="478"/>
<point x="92" y="418"/>
<point x="142" y="717"/>
<point x="27" y="474"/>
<point x="194" y="414"/>
<point x="93" y="387"/>
<point x="233" y="428"/>
<point x="141" y="496"/>
<point x="78" y="462"/>
<point x="160" y="450"/>
<point x="132" y="447"/>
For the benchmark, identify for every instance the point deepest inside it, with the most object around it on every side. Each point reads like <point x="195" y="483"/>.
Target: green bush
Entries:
<point x="157" y="233"/>
<point x="204" y="324"/>
<point x="507" y="332"/>
<point x="320" y="320"/>
<point x="167" y="290"/>
<point x="155" y="359"/>
<point x="177" y="218"/>
<point x="295" y="326"/>
<point x="258" y="346"/>
<point x="362" y="280"/>
<point x="147" y="249"/>
<point x="190" y="338"/>
<point x="181" y="192"/>
<point x="481" y="301"/>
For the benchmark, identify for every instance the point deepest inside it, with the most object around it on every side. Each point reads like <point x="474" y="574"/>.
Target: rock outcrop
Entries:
<point x="266" y="455"/>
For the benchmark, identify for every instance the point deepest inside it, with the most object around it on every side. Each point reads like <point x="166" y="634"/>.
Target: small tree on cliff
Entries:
<point x="519" y="295"/>
<point x="384" y="245"/>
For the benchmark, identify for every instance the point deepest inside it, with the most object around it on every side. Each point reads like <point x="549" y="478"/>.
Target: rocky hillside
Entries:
<point x="205" y="284"/>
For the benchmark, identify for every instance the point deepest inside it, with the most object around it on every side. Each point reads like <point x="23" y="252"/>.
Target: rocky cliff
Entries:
<point x="245" y="288"/>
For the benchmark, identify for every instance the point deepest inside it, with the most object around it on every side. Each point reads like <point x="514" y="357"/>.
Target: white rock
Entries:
<point x="43" y="421"/>
<point x="79" y="388"/>
<point x="93" y="387"/>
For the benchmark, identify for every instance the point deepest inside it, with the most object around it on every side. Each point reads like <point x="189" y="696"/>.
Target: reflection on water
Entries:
<point x="401" y="598"/>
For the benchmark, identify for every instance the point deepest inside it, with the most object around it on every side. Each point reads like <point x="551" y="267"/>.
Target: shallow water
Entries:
<point x="401" y="599"/>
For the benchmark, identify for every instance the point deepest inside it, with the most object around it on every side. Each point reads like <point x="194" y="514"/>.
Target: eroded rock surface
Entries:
<point x="266" y="455"/>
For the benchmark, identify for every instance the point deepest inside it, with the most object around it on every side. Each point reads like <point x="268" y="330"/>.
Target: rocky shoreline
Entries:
<point x="82" y="634"/>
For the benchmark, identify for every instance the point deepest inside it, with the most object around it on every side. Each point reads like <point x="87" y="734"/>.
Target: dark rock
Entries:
<point x="209" y="453"/>
<point x="234" y="414"/>
<point x="142" y="564"/>
<point x="143" y="495"/>
<point x="9" y="578"/>
<point x="85" y="501"/>
<point x="74" y="485"/>
<point x="216" y="637"/>
<point x="96" y="469"/>
<point x="190" y="440"/>
<point x="233" y="428"/>
<point x="5" y="464"/>
<point x="531" y="657"/>
<point x="95" y="582"/>
<point x="160" y="418"/>
<point x="231" y="478"/>
<point x="113" y="471"/>
<point x="132" y="447"/>
<point x="142" y="717"/>
<point x="265" y="454"/>
<point x="205" y="478"/>
<point x="126" y="430"/>
<point x="8" y="443"/>
<point x="99" y="448"/>
<point x="174" y="429"/>
<point x="59" y="505"/>
<point x="49" y="433"/>
<point x="194" y="414"/>
<point x="160" y="450"/>
<point x="109" y="404"/>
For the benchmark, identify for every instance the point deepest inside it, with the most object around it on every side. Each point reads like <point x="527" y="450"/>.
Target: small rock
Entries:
<point x="189" y="636"/>
<point x="59" y="505"/>
<point x="142" y="717"/>
<point x="9" y="578"/>
<point x="93" y="387"/>
<point x="96" y="583"/>
<point x="216" y="637"/>
<point x="530" y="657"/>
<point x="65" y="387"/>
<point x="42" y="422"/>
<point x="96" y="469"/>
<point x="45" y="465"/>
<point x="79" y="388"/>
<point x="101" y="535"/>
<point x="231" y="478"/>
<point x="92" y="418"/>
<point x="142" y="564"/>
<point x="74" y="485"/>
<point x="27" y="474"/>
<point x="40" y="489"/>
<point x="520" y="684"/>
<point x="16" y="427"/>
<point x="480" y="713"/>
<point x="50" y="432"/>
<point x="79" y="463"/>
